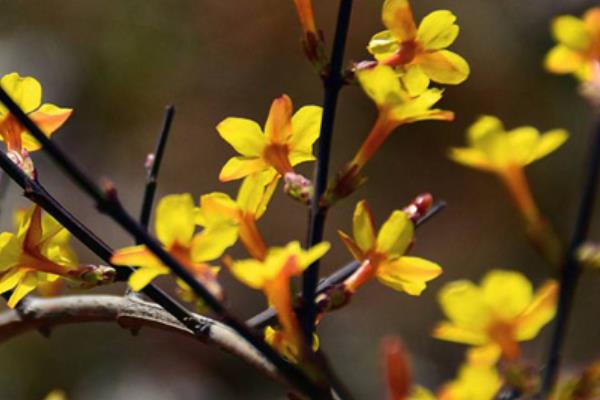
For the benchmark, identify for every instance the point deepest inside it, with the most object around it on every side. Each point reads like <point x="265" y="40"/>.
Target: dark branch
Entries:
<point x="268" y="316"/>
<point x="155" y="163"/>
<point x="571" y="269"/>
<point x="107" y="203"/>
<point x="333" y="84"/>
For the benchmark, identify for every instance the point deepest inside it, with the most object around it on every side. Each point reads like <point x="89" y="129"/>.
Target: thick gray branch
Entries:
<point x="43" y="314"/>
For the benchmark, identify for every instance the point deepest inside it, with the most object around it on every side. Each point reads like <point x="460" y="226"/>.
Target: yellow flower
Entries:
<point x="273" y="275"/>
<point x="493" y="149"/>
<point x="578" y="45"/>
<point x="277" y="339"/>
<point x="56" y="394"/>
<point x="474" y="382"/>
<point x="496" y="315"/>
<point x="419" y="53"/>
<point x="396" y="107"/>
<point x="37" y="254"/>
<point x="287" y="140"/>
<point x="27" y="93"/>
<point x="222" y="215"/>
<point x="175" y="226"/>
<point x="382" y="253"/>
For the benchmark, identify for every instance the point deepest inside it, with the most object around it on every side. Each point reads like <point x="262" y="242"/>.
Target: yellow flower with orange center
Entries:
<point x="175" y="228"/>
<point x="419" y="53"/>
<point x="382" y="253"/>
<point x="578" y="47"/>
<point x="38" y="254"/>
<point x="286" y="141"/>
<point x="477" y="382"/>
<point x="496" y="315"/>
<point x="27" y="93"/>
<point x="272" y="275"/>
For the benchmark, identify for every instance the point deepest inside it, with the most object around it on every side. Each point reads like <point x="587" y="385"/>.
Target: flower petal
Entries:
<point x="474" y="158"/>
<point x="463" y="303"/>
<point x="363" y="227"/>
<point x="239" y="167"/>
<point x="562" y="60"/>
<point x="382" y="85"/>
<point x="438" y="30"/>
<point x="397" y="17"/>
<point x="351" y="245"/>
<point x="278" y="128"/>
<point x="395" y="234"/>
<point x="137" y="256"/>
<point x="244" y="135"/>
<point x="249" y="272"/>
<point x="211" y="243"/>
<point x="25" y="91"/>
<point x="444" y="66"/>
<point x="141" y="277"/>
<point x="383" y="45"/>
<point x="48" y="118"/>
<point x="306" y="126"/>
<point x="540" y="311"/>
<point x="571" y="32"/>
<point x="255" y="192"/>
<point x="216" y="208"/>
<point x="174" y="222"/>
<point x="549" y="142"/>
<point x="307" y="257"/>
<point x="507" y="293"/>
<point x="25" y="286"/>
<point x="408" y="274"/>
<point x="10" y="251"/>
<point x="522" y="142"/>
<point x="11" y="278"/>
<point x="459" y="334"/>
<point x="415" y="80"/>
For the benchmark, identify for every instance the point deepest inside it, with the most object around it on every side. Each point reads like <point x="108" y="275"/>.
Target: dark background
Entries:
<point x="118" y="63"/>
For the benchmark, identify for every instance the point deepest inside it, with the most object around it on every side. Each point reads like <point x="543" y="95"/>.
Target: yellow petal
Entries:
<point x="239" y="167"/>
<point x="474" y="158"/>
<point x="486" y="355"/>
<point x="383" y="44"/>
<point x="418" y="108"/>
<point x="10" y="279"/>
<point x="415" y="80"/>
<point x="211" y="243"/>
<point x="25" y="91"/>
<point x="506" y="292"/>
<point x="540" y="311"/>
<point x="25" y="286"/>
<point x="571" y="32"/>
<point x="299" y="157"/>
<point x="381" y="84"/>
<point x="216" y="208"/>
<point x="306" y="126"/>
<point x="484" y="125"/>
<point x="351" y="245"/>
<point x="397" y="17"/>
<point x="444" y="66"/>
<point x="363" y="226"/>
<point x="48" y="118"/>
<point x="141" y="277"/>
<point x="10" y="250"/>
<point x="459" y="334"/>
<point x="474" y="382"/>
<point x="438" y="30"/>
<point x="255" y="192"/>
<point x="244" y="135"/>
<point x="307" y="257"/>
<point x="523" y="142"/>
<point x="249" y="272"/>
<point x="408" y="274"/>
<point x="395" y="234"/>
<point x="464" y="304"/>
<point x="135" y="256"/>
<point x="562" y="60"/>
<point x="549" y="142"/>
<point x="278" y="128"/>
<point x="174" y="222"/>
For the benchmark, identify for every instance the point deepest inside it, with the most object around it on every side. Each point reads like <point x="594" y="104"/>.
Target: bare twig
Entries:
<point x="333" y="83"/>
<point x="108" y="203"/>
<point x="571" y="269"/>
<point x="130" y="313"/>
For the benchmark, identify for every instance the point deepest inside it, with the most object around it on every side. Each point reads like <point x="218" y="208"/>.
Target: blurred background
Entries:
<point x="118" y="63"/>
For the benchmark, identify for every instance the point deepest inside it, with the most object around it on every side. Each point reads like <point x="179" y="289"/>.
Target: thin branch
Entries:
<point x="155" y="160"/>
<point x="268" y="316"/>
<point x="333" y="83"/>
<point x="43" y="314"/>
<point x="108" y="203"/>
<point x="571" y="269"/>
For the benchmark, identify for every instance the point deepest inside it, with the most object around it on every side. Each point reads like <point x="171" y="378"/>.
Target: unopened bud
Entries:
<point x="23" y="161"/>
<point x="419" y="206"/>
<point x="298" y="187"/>
<point x="590" y="89"/>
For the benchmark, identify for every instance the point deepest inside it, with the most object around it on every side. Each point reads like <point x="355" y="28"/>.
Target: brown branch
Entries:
<point x="43" y="314"/>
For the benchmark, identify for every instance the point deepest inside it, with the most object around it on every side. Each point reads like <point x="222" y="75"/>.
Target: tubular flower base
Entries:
<point x="419" y="54"/>
<point x="279" y="341"/>
<point x="496" y="315"/>
<point x="175" y="228"/>
<point x="382" y="253"/>
<point x="272" y="276"/>
<point x="37" y="255"/>
<point x="398" y="375"/>
<point x="578" y="47"/>
<point x="287" y="140"/>
<point x="396" y="107"/>
<point x="27" y="93"/>
<point x="220" y="214"/>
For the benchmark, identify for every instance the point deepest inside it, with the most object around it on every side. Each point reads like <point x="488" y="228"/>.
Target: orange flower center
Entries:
<point x="277" y="155"/>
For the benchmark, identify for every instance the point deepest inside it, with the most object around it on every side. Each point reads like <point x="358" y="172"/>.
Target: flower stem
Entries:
<point x="333" y="83"/>
<point x="571" y="269"/>
<point x="108" y="203"/>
